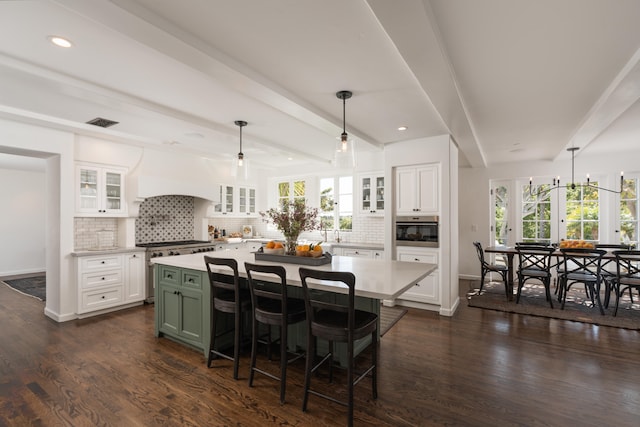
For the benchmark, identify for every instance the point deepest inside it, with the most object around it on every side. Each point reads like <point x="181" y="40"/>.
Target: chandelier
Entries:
<point x="556" y="181"/>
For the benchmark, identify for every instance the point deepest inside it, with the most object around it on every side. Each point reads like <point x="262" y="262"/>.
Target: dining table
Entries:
<point x="510" y="252"/>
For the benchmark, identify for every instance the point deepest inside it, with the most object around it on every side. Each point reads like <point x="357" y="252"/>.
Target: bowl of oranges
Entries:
<point x="576" y="244"/>
<point x="273" y="248"/>
<point x="312" y="250"/>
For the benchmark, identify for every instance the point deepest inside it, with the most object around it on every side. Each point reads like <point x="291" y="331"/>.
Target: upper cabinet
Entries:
<point x="417" y="189"/>
<point x="100" y="190"/>
<point x="236" y="201"/>
<point x="246" y="201"/>
<point x="371" y="196"/>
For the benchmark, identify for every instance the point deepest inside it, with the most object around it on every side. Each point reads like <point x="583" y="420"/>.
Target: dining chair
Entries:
<point x="582" y="265"/>
<point x="487" y="267"/>
<point x="627" y="274"/>
<point x="227" y="297"/>
<point x="534" y="263"/>
<point x="337" y="321"/>
<point x="272" y="306"/>
<point x="609" y="265"/>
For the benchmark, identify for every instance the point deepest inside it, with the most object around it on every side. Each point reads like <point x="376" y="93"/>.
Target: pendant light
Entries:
<point x="241" y="168"/>
<point x="345" y="154"/>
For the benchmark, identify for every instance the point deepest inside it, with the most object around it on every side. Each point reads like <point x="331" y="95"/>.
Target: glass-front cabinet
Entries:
<point x="99" y="190"/>
<point x="225" y="207"/>
<point x="236" y="201"/>
<point x="371" y="201"/>
<point x="246" y="201"/>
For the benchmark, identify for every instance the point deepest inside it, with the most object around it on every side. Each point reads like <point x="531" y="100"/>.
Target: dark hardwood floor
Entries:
<point x="477" y="368"/>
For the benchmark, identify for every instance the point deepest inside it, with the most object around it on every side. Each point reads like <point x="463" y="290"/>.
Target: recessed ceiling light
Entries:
<point x="401" y="128"/>
<point x="289" y="158"/>
<point x="60" y="41"/>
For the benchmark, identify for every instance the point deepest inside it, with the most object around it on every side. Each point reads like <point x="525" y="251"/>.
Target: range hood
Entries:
<point x="163" y="173"/>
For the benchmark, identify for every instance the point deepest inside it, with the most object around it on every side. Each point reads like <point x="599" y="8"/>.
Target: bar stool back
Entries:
<point x="337" y="322"/>
<point x="272" y="307"/>
<point x="227" y="297"/>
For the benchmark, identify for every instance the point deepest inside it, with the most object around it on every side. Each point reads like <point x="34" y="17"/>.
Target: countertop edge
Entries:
<point x="87" y="252"/>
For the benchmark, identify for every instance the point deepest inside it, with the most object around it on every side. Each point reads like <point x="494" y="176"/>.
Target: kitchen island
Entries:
<point x="183" y="306"/>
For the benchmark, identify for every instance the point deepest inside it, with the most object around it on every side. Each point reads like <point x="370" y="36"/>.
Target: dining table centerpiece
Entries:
<point x="291" y="219"/>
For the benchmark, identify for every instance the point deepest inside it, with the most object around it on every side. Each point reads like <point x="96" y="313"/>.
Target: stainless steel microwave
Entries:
<point x="417" y="231"/>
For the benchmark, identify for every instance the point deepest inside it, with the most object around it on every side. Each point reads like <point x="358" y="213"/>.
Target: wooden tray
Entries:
<point x="292" y="259"/>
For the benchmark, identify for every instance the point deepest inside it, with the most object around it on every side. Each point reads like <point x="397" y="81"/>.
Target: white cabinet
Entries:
<point x="134" y="276"/>
<point x="360" y="252"/>
<point x="99" y="190"/>
<point x="246" y="201"/>
<point x="109" y="281"/>
<point x="417" y="189"/>
<point x="428" y="289"/>
<point x="225" y="207"/>
<point x="371" y="194"/>
<point x="236" y="201"/>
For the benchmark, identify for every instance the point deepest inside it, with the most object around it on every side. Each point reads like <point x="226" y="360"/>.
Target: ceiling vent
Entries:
<point x="103" y="123"/>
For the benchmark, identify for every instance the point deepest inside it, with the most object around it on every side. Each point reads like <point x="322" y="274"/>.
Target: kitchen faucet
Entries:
<point x="323" y="231"/>
<point x="336" y="232"/>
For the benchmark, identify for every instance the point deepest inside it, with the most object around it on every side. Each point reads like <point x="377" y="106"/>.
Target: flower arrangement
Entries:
<point x="291" y="220"/>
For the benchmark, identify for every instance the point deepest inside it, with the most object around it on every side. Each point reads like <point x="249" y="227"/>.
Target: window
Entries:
<point x="629" y="212"/>
<point x="336" y="203"/>
<point x="536" y="213"/>
<point x="583" y="213"/>
<point x="500" y="195"/>
<point x="289" y="191"/>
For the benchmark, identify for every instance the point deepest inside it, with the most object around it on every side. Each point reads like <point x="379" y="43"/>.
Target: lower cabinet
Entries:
<point x="358" y="252"/>
<point x="183" y="306"/>
<point x="428" y="289"/>
<point x="107" y="281"/>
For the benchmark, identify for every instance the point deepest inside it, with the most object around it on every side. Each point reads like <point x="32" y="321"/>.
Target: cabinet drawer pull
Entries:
<point x="102" y="278"/>
<point x="102" y="262"/>
<point x="190" y="280"/>
<point x="417" y="259"/>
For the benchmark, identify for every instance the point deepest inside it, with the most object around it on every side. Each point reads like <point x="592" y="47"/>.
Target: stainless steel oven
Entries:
<point x="417" y="231"/>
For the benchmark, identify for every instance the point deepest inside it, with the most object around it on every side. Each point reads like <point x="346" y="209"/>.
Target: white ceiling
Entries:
<point x="510" y="80"/>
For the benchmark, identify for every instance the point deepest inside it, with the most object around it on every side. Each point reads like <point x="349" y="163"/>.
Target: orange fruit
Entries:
<point x="318" y="248"/>
<point x="278" y="245"/>
<point x="270" y="245"/>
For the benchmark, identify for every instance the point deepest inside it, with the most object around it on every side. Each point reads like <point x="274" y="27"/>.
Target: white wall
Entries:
<point x="22" y="229"/>
<point x="56" y="147"/>
<point x="474" y="198"/>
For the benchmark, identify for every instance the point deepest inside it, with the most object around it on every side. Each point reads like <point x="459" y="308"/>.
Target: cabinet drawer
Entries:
<point x="427" y="290"/>
<point x="101" y="262"/>
<point x="169" y="275"/>
<point x="100" y="298"/>
<point x="362" y="253"/>
<point x="431" y="258"/>
<point x="101" y="278"/>
<point x="192" y="279"/>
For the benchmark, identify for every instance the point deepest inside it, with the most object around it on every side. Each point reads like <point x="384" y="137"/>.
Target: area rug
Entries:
<point x="578" y="307"/>
<point x="389" y="316"/>
<point x="34" y="286"/>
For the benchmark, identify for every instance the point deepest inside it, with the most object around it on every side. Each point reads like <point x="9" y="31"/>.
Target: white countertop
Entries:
<point x="379" y="279"/>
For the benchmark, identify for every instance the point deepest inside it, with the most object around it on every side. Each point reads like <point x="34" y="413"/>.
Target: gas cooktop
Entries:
<point x="173" y="243"/>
